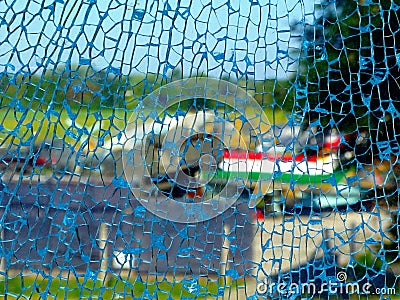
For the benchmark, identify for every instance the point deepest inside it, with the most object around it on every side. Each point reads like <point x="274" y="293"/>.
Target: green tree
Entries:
<point x="349" y="72"/>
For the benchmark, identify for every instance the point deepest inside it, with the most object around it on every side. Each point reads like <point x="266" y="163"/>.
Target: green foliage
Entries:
<point x="77" y="88"/>
<point x="276" y="94"/>
<point x="348" y="73"/>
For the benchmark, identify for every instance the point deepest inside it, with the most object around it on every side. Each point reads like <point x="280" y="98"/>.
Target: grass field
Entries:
<point x="37" y="287"/>
<point x="23" y="127"/>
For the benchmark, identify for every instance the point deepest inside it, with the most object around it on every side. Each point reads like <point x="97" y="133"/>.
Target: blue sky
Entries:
<point x="216" y="38"/>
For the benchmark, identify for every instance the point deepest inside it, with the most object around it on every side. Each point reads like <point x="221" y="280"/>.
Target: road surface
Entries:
<point x="51" y="225"/>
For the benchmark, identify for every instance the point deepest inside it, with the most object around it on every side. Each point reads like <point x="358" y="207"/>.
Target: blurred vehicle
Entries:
<point x="23" y="160"/>
<point x="297" y="166"/>
<point x="173" y="147"/>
